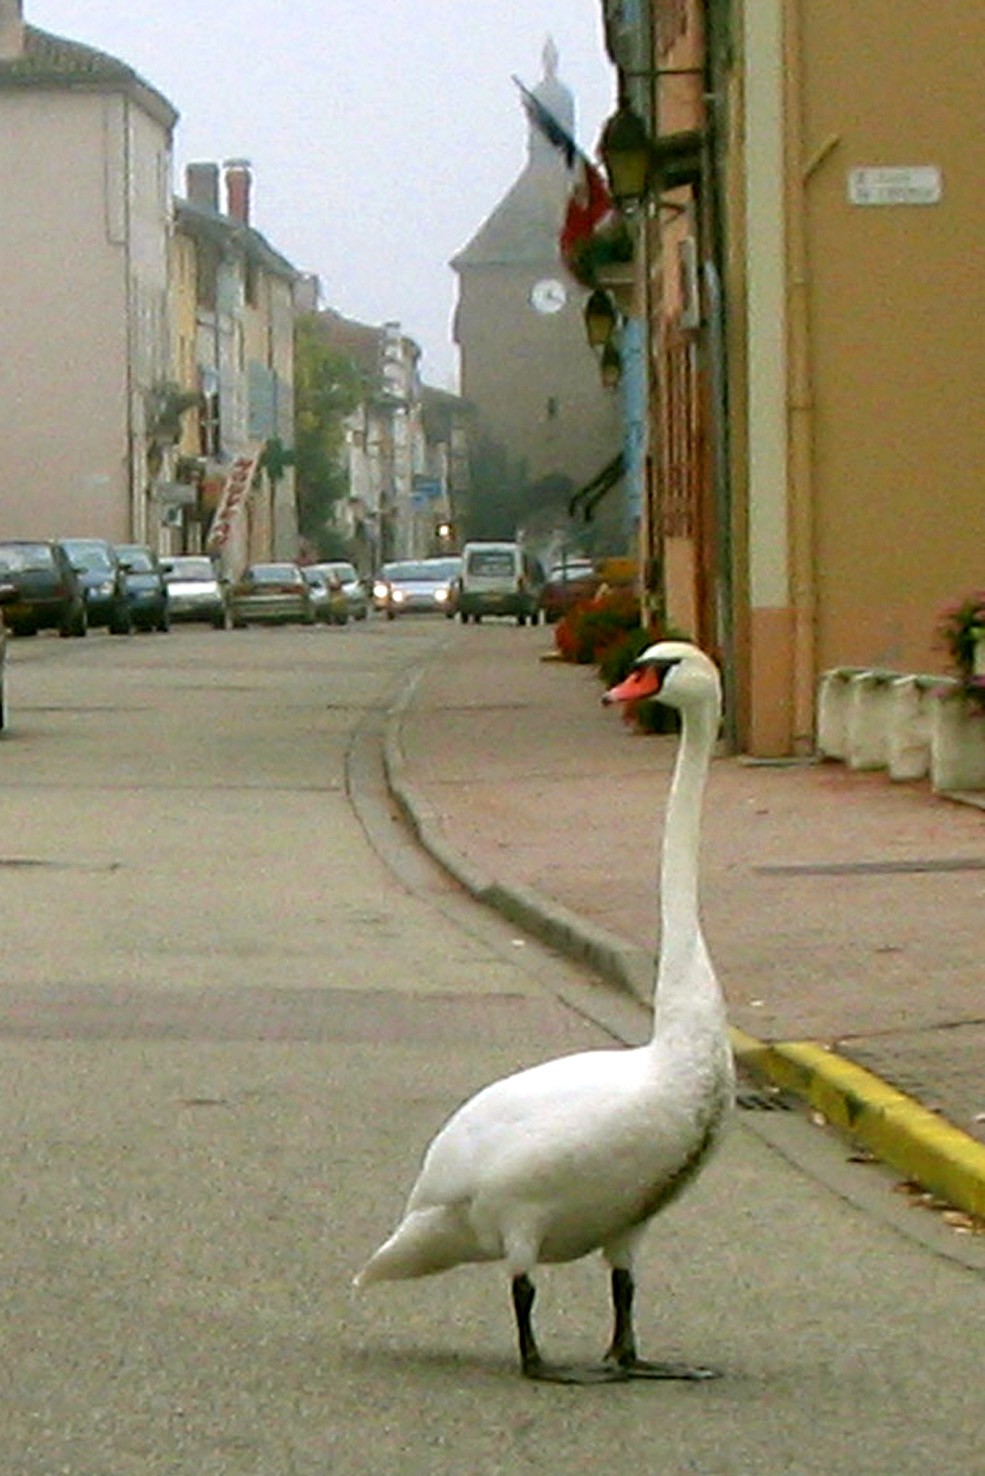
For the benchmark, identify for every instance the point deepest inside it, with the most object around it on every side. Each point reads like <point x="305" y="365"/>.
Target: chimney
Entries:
<point x="307" y="293"/>
<point x="239" y="181"/>
<point x="201" y="184"/>
<point x="11" y="29"/>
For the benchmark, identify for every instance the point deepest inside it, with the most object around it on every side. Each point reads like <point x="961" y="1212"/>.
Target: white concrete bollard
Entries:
<point x="908" y="753"/>
<point x="868" y="719"/>
<point x="957" y="742"/>
<point x="832" y="711"/>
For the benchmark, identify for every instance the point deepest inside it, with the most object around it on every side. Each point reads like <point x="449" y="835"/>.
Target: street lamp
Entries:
<point x="638" y="164"/>
<point x="601" y="317"/>
<point x="625" y="146"/>
<point x="611" y="366"/>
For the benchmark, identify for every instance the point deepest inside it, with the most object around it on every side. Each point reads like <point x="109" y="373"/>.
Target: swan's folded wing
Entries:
<point x="525" y="1126"/>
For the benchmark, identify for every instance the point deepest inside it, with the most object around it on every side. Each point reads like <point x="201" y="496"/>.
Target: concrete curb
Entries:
<point x="897" y="1130"/>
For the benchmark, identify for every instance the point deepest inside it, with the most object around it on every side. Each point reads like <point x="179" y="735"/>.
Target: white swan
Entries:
<point x="578" y="1154"/>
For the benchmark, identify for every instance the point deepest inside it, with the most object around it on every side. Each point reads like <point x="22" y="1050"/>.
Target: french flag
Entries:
<point x="589" y="202"/>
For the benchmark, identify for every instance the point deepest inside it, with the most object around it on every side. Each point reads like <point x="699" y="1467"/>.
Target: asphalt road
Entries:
<point x="235" y="1004"/>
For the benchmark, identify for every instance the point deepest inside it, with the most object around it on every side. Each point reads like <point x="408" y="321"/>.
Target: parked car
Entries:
<point x="273" y="593"/>
<point x="327" y="595"/>
<point x="195" y="590"/>
<point x="414" y="585"/>
<point x="46" y="593"/>
<point x="566" y="584"/>
<point x="381" y="588"/>
<point x="499" y="579"/>
<point x="354" y="589"/>
<point x="448" y="567"/>
<point x="147" y="589"/>
<point x="104" y="585"/>
<point x="8" y="593"/>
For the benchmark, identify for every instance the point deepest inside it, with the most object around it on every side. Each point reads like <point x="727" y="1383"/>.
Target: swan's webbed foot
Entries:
<point x="531" y="1363"/>
<point x="622" y="1350"/>
<point x="641" y="1368"/>
<point x="620" y="1363"/>
<point x="559" y="1373"/>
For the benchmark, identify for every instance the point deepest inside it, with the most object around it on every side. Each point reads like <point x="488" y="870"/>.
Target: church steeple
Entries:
<point x="558" y="100"/>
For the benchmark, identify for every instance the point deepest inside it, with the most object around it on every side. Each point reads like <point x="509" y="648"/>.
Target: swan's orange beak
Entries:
<point x="643" y="682"/>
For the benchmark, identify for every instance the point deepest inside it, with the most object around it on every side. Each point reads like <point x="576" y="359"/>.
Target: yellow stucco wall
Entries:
<point x="897" y="299"/>
<point x="855" y="343"/>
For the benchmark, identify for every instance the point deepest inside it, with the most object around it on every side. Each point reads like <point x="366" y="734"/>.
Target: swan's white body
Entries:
<point x="579" y="1153"/>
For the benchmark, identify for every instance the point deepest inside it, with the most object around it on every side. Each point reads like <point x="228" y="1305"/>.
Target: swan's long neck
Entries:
<point x="683" y="967"/>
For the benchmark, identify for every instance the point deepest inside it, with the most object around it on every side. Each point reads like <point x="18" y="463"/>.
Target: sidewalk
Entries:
<point x="843" y="912"/>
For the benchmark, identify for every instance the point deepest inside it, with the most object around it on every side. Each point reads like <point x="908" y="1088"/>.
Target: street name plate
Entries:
<point x="916" y="184"/>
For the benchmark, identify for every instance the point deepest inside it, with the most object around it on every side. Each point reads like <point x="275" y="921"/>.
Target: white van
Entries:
<point x="499" y="579"/>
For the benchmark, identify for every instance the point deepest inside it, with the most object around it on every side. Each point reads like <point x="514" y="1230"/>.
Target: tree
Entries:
<point x="328" y="386"/>
<point x="497" y="491"/>
<point x="502" y="500"/>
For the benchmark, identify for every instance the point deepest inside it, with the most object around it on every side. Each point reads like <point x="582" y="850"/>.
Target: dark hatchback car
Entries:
<point x="567" y="585"/>
<point x="104" y="584"/>
<point x="7" y="595"/>
<point x="46" y="594"/>
<point x="147" y="590"/>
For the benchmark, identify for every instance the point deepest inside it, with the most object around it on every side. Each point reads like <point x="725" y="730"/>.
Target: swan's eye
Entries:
<point x="664" y="668"/>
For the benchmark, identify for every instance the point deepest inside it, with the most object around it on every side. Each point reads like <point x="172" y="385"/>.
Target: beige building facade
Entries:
<point x="85" y="157"/>
<point x="232" y="310"/>
<point x="407" y="447"/>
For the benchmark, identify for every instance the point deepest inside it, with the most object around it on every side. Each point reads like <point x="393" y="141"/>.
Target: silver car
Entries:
<point x="271" y="593"/>
<point x="195" y="591"/>
<point x="421" y="585"/>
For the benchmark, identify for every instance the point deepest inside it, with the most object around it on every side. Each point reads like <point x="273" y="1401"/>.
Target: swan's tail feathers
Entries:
<point x="426" y="1241"/>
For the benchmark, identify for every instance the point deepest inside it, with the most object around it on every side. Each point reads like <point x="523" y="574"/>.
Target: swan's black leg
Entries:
<point x="622" y="1350"/>
<point x="523" y="1302"/>
<point x="531" y="1362"/>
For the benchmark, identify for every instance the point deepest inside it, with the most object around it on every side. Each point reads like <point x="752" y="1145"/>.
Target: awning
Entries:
<point x="587" y="498"/>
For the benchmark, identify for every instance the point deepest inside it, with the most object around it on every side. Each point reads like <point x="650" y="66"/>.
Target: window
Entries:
<point x="209" y="423"/>
<point x="206" y="276"/>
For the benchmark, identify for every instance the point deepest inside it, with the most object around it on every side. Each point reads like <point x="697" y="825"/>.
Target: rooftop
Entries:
<point x="226" y="232"/>
<point x="49" y="61"/>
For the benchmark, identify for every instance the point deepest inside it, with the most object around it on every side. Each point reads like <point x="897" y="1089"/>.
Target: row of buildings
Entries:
<point x="793" y="452"/>
<point x="147" y="373"/>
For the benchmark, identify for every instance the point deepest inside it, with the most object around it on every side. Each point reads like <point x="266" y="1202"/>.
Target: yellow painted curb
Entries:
<point x="921" y="1145"/>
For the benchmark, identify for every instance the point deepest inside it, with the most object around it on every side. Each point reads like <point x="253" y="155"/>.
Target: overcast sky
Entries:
<point x="381" y="136"/>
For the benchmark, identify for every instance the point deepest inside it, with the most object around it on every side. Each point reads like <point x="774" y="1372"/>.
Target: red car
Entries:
<point x="566" y="585"/>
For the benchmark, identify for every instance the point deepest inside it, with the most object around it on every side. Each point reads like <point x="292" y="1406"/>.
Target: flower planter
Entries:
<point x="957" y="743"/>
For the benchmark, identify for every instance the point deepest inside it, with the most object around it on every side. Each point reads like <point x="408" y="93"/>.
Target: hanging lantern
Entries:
<point x="626" y="150"/>
<point x="601" y="317"/>
<point x="611" y="366"/>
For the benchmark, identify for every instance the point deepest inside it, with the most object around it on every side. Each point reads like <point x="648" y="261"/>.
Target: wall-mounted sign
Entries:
<point x="424" y="490"/>
<point x="914" y="184"/>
